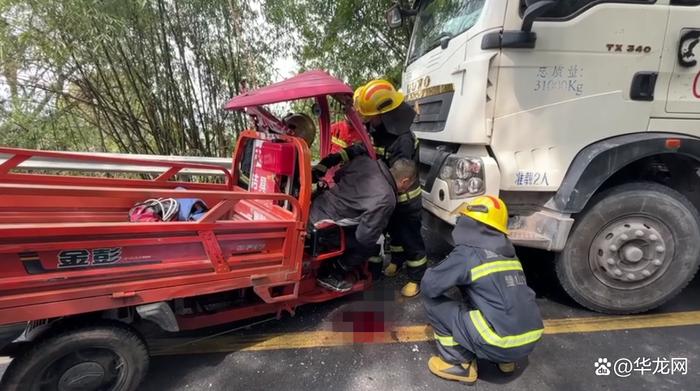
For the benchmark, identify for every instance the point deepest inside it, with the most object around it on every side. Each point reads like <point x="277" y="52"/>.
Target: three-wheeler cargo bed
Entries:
<point x="70" y="249"/>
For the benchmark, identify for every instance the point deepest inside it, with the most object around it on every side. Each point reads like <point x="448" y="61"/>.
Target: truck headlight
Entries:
<point x="467" y="168"/>
<point x="464" y="175"/>
<point x="447" y="172"/>
<point x="475" y="185"/>
<point x="460" y="186"/>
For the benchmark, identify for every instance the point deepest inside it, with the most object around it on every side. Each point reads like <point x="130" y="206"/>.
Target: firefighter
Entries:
<point x="498" y="320"/>
<point x="389" y="119"/>
<point x="363" y="198"/>
<point x="343" y="135"/>
<point x="323" y="174"/>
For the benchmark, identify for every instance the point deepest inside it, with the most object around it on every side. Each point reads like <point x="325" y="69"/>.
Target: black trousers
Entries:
<point x="407" y="246"/>
<point x="355" y="252"/>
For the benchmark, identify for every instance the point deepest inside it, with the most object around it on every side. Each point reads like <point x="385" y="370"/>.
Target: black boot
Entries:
<point x="375" y="265"/>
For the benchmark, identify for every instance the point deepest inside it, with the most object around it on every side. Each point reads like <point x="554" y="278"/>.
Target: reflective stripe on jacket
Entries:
<point x="342" y="136"/>
<point x="484" y="267"/>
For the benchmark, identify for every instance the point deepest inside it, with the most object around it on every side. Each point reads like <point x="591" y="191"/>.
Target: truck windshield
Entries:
<point x="442" y="18"/>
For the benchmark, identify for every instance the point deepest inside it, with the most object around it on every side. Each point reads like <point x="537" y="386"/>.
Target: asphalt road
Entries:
<point x="561" y="361"/>
<point x="317" y="350"/>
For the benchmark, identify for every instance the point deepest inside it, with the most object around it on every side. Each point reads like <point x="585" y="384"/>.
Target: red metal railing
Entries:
<point x="170" y="170"/>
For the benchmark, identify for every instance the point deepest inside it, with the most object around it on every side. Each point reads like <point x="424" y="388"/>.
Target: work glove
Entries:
<point x="331" y="160"/>
<point x="318" y="189"/>
<point x="356" y="150"/>
<point x="317" y="172"/>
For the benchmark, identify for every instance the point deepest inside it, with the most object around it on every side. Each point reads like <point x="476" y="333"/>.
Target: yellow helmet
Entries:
<point x="376" y="97"/>
<point x="356" y="94"/>
<point x="489" y="210"/>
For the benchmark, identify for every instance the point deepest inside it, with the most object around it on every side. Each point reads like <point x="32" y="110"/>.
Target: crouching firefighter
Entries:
<point x="498" y="320"/>
<point x="389" y="119"/>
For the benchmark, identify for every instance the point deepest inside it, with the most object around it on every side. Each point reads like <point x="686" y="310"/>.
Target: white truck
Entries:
<point x="584" y="116"/>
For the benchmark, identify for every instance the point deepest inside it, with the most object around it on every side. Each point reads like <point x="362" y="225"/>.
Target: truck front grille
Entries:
<point x="432" y="112"/>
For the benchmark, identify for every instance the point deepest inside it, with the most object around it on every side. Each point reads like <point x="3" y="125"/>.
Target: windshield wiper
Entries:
<point x="442" y="40"/>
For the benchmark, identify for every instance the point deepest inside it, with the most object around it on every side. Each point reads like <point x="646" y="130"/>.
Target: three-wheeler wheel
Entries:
<point x="103" y="356"/>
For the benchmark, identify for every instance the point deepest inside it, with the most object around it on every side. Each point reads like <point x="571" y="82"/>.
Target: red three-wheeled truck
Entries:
<point x="78" y="280"/>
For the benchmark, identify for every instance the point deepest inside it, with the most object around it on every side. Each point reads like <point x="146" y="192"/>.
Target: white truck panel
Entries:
<point x="572" y="90"/>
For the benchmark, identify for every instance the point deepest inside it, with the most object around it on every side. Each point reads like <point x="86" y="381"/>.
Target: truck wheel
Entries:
<point x="634" y="248"/>
<point x="102" y="357"/>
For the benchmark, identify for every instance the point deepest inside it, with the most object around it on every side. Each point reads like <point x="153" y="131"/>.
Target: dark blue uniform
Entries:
<point x="394" y="140"/>
<point x="498" y="319"/>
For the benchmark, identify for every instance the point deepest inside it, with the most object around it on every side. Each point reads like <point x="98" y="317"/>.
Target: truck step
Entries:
<point x="528" y="238"/>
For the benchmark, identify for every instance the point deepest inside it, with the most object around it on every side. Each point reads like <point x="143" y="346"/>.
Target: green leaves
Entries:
<point x="347" y="37"/>
<point x="146" y="76"/>
<point x="151" y="76"/>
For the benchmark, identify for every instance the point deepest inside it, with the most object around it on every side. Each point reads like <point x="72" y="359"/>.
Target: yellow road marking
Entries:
<point x="403" y="334"/>
<point x="611" y="323"/>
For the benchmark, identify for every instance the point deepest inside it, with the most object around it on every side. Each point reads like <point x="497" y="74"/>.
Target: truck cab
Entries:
<point x="579" y="114"/>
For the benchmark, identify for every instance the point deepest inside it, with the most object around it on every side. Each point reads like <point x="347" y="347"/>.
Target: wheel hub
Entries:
<point x="83" y="376"/>
<point x="630" y="253"/>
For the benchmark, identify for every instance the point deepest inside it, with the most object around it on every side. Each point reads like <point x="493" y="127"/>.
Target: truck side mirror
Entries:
<point x="525" y="38"/>
<point x="533" y="11"/>
<point x="394" y="17"/>
<point x="445" y="41"/>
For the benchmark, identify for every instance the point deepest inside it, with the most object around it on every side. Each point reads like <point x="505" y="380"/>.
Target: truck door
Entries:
<point x="683" y="41"/>
<point x="590" y="76"/>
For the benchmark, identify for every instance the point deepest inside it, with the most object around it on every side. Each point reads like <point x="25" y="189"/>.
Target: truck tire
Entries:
<point x="635" y="247"/>
<point x="107" y="356"/>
